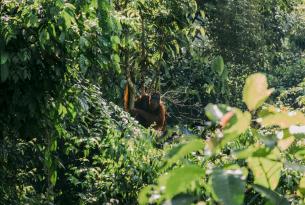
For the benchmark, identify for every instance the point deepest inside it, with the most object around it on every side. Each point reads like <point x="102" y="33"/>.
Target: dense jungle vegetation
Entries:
<point x="231" y="74"/>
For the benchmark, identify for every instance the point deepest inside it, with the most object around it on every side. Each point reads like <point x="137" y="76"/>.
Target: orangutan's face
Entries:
<point x="154" y="101"/>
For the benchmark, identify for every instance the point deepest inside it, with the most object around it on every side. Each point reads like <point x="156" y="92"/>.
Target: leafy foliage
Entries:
<point x="263" y="161"/>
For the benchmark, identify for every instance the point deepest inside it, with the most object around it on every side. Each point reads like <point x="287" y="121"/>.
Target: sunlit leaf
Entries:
<point x="53" y="177"/>
<point x="285" y="143"/>
<point x="179" y="180"/>
<point x="240" y="123"/>
<point x="182" y="150"/>
<point x="143" y="197"/>
<point x="252" y="151"/>
<point x="266" y="170"/>
<point x="256" y="91"/>
<point x="301" y="189"/>
<point x="283" y="119"/>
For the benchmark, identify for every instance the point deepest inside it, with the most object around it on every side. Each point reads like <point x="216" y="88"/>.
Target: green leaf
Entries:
<point x="180" y="179"/>
<point x="115" y="39"/>
<point x="4" y="72"/>
<point x="32" y="21"/>
<point x="44" y="37"/>
<point x="83" y="63"/>
<point x="83" y="43"/>
<point x="218" y="65"/>
<point x="143" y="197"/>
<point x="228" y="186"/>
<point x="266" y="170"/>
<point x="182" y="150"/>
<point x="115" y="58"/>
<point x="301" y="189"/>
<point x="256" y="91"/>
<point x="52" y="29"/>
<point x="69" y="6"/>
<point x="62" y="110"/>
<point x="239" y="124"/>
<point x="252" y="151"/>
<point x="53" y="177"/>
<point x="4" y="57"/>
<point x="274" y="197"/>
<point x="68" y="18"/>
<point x="284" y="120"/>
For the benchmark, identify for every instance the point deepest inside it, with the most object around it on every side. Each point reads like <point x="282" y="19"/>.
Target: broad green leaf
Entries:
<point x="68" y="18"/>
<point x="32" y="21"/>
<point x="266" y="170"/>
<point x="301" y="189"/>
<point x="237" y="125"/>
<point x="143" y="197"/>
<point x="283" y="119"/>
<point x="256" y="91"/>
<point x="4" y="57"/>
<point x="179" y="180"/>
<point x="285" y="143"/>
<point x="252" y="151"/>
<point x="274" y="197"/>
<point x="115" y="39"/>
<point x="182" y="150"/>
<point x="115" y="58"/>
<point x="4" y="72"/>
<point x="218" y="65"/>
<point x="228" y="186"/>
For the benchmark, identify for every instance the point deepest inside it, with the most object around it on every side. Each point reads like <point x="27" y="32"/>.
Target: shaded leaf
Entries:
<point x="274" y="197"/>
<point x="218" y="65"/>
<point x="4" y="57"/>
<point x="266" y="170"/>
<point x="229" y="186"/>
<point x="4" y="72"/>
